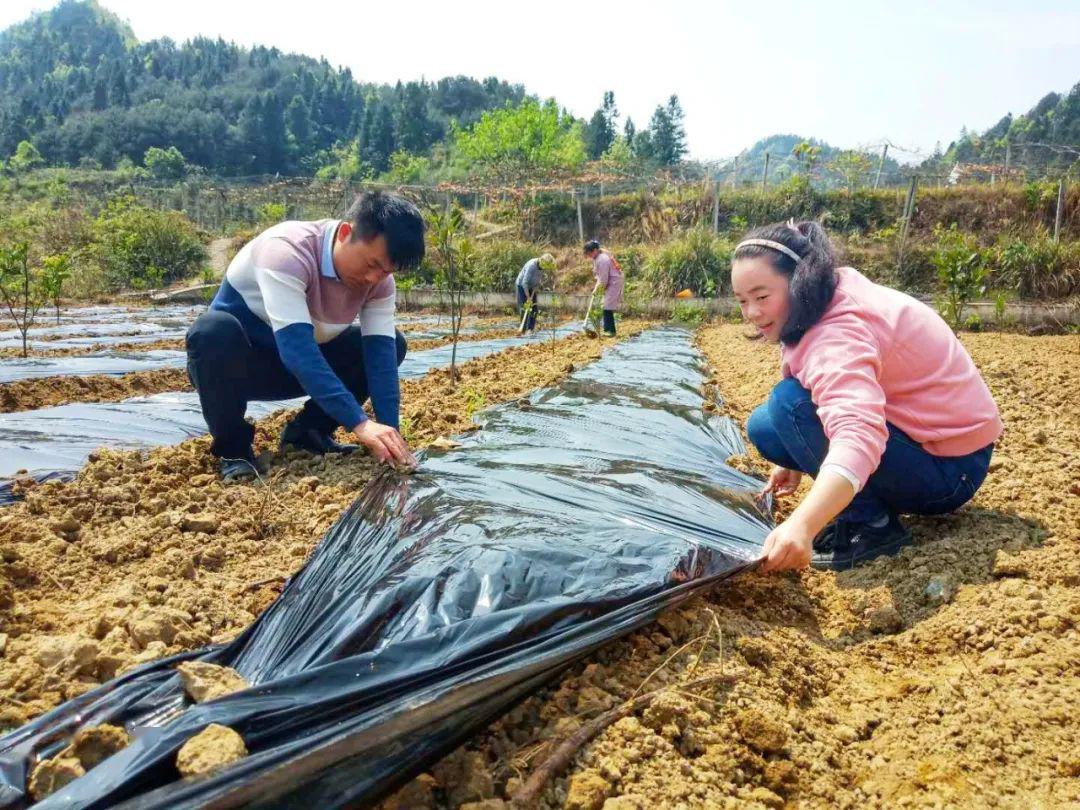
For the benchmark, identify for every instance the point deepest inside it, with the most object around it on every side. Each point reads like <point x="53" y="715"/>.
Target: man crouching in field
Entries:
<point x="280" y="326"/>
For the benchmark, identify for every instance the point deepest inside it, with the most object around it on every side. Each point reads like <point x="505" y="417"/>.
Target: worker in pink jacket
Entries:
<point x="609" y="278"/>
<point x="879" y="403"/>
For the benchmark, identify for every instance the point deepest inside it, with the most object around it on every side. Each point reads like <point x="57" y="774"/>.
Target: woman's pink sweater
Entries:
<point x="878" y="355"/>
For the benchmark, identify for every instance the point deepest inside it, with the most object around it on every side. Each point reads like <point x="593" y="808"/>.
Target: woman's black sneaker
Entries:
<point x="843" y="545"/>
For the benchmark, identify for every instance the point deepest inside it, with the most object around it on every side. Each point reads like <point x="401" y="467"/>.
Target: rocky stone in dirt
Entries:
<point x="419" y="794"/>
<point x="486" y="804"/>
<point x="147" y="625"/>
<point x="465" y="777"/>
<point x="939" y="590"/>
<point x="212" y="748"/>
<point x="766" y="797"/>
<point x="761" y="732"/>
<point x="629" y="802"/>
<point x="213" y="558"/>
<point x="203" y="682"/>
<point x="50" y="775"/>
<point x="587" y="790"/>
<point x="96" y="744"/>
<point x="885" y="619"/>
<point x="444" y="443"/>
<point x="1008" y="565"/>
<point x="206" y="523"/>
<point x="72" y="654"/>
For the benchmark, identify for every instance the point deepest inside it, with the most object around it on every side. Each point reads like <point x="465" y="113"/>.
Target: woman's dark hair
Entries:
<point x="591" y="245"/>
<point x="397" y="219"/>
<point x="812" y="280"/>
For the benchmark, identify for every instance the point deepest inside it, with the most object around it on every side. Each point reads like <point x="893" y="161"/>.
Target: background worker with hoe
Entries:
<point x="527" y="287"/>
<point x="609" y="278"/>
<point x="281" y="326"/>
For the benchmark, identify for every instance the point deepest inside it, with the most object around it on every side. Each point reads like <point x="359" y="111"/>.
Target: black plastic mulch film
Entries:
<point x="438" y="600"/>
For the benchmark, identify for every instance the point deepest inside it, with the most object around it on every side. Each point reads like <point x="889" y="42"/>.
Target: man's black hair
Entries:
<point x="592" y="245"/>
<point x="397" y="219"/>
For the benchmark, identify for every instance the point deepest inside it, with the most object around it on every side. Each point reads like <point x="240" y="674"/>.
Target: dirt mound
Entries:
<point x="45" y="392"/>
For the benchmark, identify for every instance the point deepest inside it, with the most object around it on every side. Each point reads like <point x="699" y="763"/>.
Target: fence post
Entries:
<point x="765" y="173"/>
<point x="1008" y="159"/>
<point x="580" y="220"/>
<point x="909" y="210"/>
<point x="716" y="207"/>
<point x="1060" y="209"/>
<point x="881" y="164"/>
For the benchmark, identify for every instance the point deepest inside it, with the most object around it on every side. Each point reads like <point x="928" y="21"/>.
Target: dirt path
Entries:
<point x="220" y="252"/>
<point x="946" y="677"/>
<point x="146" y="554"/>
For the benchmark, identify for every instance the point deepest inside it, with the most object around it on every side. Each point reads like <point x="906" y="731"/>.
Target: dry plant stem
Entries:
<point x="564" y="753"/>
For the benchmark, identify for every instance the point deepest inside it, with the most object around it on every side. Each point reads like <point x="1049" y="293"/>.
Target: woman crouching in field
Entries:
<point x="879" y="403"/>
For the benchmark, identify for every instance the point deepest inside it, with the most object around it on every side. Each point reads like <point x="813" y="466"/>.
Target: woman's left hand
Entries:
<point x="788" y="547"/>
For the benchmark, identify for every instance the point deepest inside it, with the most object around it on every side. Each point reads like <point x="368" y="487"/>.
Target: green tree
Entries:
<point x="298" y="121"/>
<point x="456" y="256"/>
<point x="521" y="141"/>
<point x="666" y="141"/>
<point x="55" y="271"/>
<point x="806" y="153"/>
<point x="165" y="164"/>
<point x="26" y="157"/>
<point x="602" y="128"/>
<point x="853" y="167"/>
<point x="407" y="169"/>
<point x="19" y="288"/>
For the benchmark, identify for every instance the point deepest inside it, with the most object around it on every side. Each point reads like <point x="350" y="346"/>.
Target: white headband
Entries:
<point x="769" y="243"/>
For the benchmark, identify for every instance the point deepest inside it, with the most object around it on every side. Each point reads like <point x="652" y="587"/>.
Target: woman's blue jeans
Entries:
<point x="787" y="431"/>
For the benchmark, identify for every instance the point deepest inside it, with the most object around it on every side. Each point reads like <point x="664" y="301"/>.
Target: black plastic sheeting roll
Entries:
<point x="440" y="599"/>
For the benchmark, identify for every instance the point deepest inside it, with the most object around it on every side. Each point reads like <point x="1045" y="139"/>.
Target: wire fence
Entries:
<point x="229" y="204"/>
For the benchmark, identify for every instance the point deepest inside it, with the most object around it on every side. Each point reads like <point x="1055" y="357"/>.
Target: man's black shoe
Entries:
<point x="241" y="468"/>
<point x="298" y="437"/>
<point x="844" y="545"/>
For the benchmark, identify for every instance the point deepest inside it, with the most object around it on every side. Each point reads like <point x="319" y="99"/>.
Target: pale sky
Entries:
<point x="852" y="74"/>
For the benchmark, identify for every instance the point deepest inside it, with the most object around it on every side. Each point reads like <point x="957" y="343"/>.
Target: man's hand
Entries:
<point x="788" y="547"/>
<point x="385" y="443"/>
<point x="782" y="482"/>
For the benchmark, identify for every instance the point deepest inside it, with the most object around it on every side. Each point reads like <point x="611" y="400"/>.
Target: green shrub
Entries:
<point x="498" y="262"/>
<point x="165" y="164"/>
<point x="697" y="259"/>
<point x="142" y="248"/>
<point x="272" y="213"/>
<point x="961" y="268"/>
<point x="1037" y="267"/>
<point x="688" y="312"/>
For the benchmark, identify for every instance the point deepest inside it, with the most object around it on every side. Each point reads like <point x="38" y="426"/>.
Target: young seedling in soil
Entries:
<point x="55" y="271"/>
<point x="21" y="291"/>
<point x="456" y="255"/>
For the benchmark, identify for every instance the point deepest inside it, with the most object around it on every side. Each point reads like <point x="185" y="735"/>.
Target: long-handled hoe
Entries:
<point x="587" y="325"/>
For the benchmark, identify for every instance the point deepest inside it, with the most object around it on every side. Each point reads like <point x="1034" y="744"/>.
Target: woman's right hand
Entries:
<point x="782" y="482"/>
